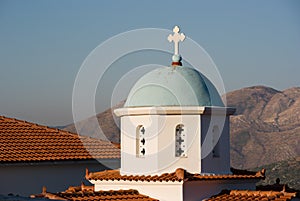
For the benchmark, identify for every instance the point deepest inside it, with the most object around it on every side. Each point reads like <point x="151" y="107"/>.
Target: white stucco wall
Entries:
<point x="164" y="191"/>
<point x="160" y="125"/>
<point x="177" y="191"/>
<point x="168" y="162"/>
<point x="160" y="144"/>
<point x="130" y="162"/>
<point x="211" y="164"/>
<point x="27" y="179"/>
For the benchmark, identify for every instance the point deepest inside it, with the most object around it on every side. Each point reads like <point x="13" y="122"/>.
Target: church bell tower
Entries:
<point x="174" y="118"/>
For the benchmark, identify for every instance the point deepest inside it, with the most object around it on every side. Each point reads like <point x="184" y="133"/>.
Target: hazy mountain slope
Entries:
<point x="265" y="129"/>
<point x="107" y="122"/>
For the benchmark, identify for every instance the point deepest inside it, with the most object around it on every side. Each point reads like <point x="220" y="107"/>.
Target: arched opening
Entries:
<point x="140" y="141"/>
<point x="180" y="141"/>
<point x="216" y="142"/>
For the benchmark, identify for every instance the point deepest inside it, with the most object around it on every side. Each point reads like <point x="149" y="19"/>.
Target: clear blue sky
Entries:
<point x="43" y="44"/>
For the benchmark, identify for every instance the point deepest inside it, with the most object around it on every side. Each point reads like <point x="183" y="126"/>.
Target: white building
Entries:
<point x="174" y="145"/>
<point x="174" y="138"/>
<point x="32" y="156"/>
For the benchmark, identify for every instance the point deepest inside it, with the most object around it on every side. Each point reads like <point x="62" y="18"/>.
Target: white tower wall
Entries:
<point x="215" y="131"/>
<point x="153" y="131"/>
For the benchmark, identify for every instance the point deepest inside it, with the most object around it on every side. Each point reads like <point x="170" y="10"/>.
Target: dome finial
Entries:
<point x="176" y="38"/>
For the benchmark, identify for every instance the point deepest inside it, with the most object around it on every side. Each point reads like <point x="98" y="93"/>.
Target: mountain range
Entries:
<point x="266" y="126"/>
<point x="264" y="130"/>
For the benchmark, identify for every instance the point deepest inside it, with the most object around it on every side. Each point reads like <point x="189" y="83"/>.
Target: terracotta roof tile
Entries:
<point x="23" y="141"/>
<point x="87" y="193"/>
<point x="177" y="176"/>
<point x="248" y="195"/>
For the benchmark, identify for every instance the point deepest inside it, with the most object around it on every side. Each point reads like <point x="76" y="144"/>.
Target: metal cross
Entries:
<point x="180" y="151"/>
<point x="176" y="37"/>
<point x="180" y="140"/>
<point x="143" y="141"/>
<point x="143" y="130"/>
<point x="180" y="129"/>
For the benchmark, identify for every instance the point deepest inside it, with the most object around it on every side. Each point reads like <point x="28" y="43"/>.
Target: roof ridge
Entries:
<point x="179" y="175"/>
<point x="77" y="192"/>
<point x="226" y="194"/>
<point x="33" y="124"/>
<point x="25" y="122"/>
<point x="22" y="138"/>
<point x="260" y="192"/>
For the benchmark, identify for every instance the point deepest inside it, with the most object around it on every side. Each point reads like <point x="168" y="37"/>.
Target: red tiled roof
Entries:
<point x="244" y="195"/>
<point x="87" y="193"/>
<point x="22" y="141"/>
<point x="177" y="176"/>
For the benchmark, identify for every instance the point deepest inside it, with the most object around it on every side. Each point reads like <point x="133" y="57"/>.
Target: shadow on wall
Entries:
<point x="27" y="179"/>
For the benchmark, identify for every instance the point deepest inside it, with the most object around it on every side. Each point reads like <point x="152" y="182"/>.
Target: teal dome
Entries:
<point x="169" y="86"/>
